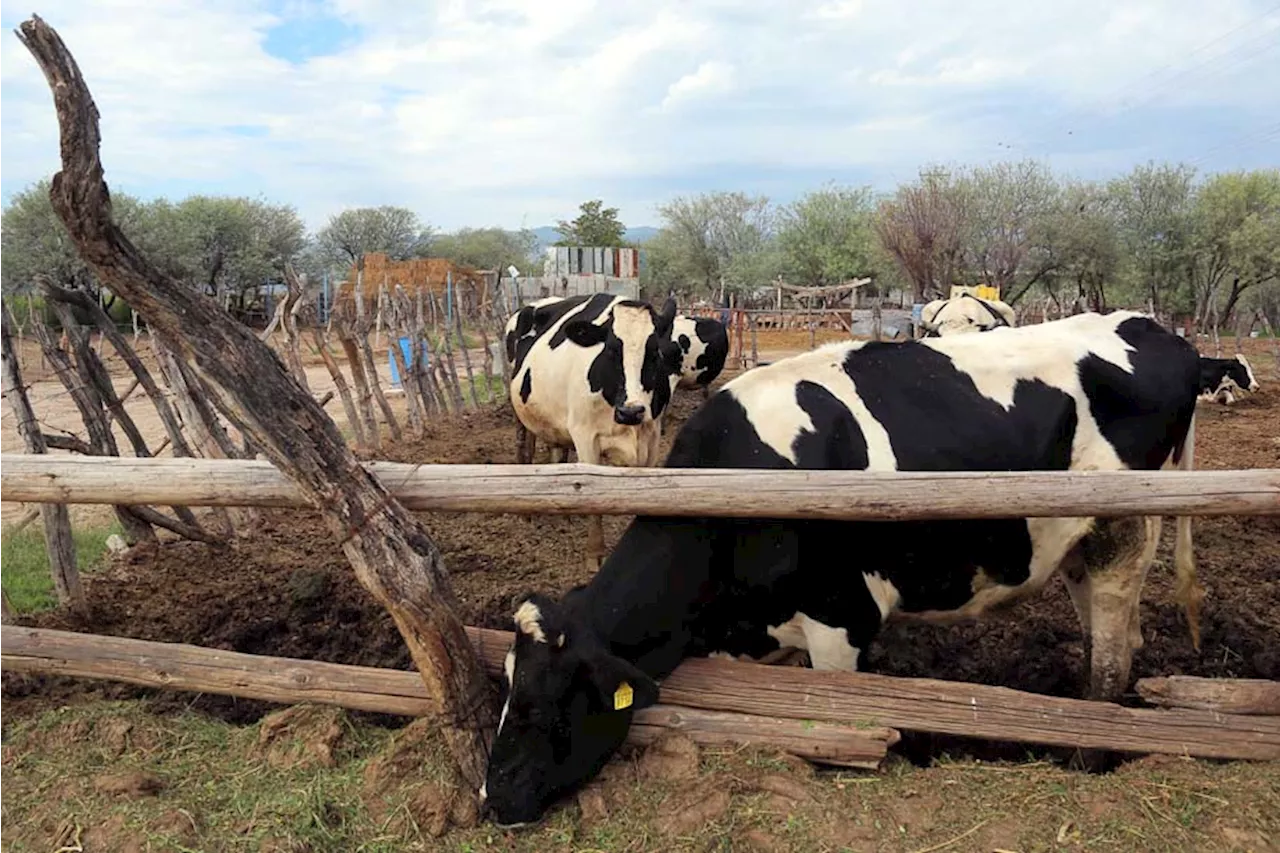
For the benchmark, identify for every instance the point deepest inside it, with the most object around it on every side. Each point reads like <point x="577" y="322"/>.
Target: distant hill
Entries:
<point x="547" y="234"/>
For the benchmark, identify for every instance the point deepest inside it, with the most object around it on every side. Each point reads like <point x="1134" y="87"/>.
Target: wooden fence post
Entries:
<point x="59" y="543"/>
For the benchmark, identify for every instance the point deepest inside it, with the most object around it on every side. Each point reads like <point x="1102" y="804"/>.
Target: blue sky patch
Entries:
<point x="299" y="39"/>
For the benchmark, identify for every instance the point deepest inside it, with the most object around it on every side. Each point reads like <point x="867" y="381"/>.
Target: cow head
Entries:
<point x="567" y="709"/>
<point x="633" y="370"/>
<point x="964" y="314"/>
<point x="1242" y="374"/>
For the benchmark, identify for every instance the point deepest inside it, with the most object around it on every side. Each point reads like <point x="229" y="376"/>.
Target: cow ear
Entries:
<point x="622" y="687"/>
<point x="585" y="333"/>
<point x="667" y="317"/>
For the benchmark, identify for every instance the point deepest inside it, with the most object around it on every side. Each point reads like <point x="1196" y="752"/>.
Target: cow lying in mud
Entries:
<point x="1088" y="392"/>
<point x="1221" y="379"/>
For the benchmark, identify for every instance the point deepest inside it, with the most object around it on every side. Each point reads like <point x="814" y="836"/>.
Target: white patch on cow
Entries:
<point x="633" y="326"/>
<point x="528" y="619"/>
<point x="828" y="647"/>
<point x="509" y="669"/>
<point x="721" y="656"/>
<point x="1050" y="352"/>
<point x="768" y="394"/>
<point x="1248" y="371"/>
<point x="484" y="792"/>
<point x="886" y="595"/>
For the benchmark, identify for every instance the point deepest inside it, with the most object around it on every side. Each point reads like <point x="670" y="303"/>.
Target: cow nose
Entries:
<point x="628" y="415"/>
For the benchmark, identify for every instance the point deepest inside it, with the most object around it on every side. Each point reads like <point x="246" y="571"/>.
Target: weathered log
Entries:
<point x="948" y="707"/>
<point x="339" y="382"/>
<point x="126" y="352"/>
<point x="184" y="667"/>
<point x="95" y="376"/>
<point x="391" y="553"/>
<point x="59" y="544"/>
<point x="206" y="431"/>
<point x="399" y="327"/>
<point x="81" y="390"/>
<point x="579" y="489"/>
<point x="1251" y="696"/>
<point x="466" y="358"/>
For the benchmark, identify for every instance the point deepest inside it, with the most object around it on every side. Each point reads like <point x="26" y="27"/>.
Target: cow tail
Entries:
<point x="1187" y="589"/>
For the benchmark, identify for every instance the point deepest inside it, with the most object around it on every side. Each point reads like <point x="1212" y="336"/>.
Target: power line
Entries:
<point x="1250" y="138"/>
<point x="1082" y="112"/>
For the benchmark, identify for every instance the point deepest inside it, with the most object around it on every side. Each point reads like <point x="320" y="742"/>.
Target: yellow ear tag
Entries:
<point x="623" y="697"/>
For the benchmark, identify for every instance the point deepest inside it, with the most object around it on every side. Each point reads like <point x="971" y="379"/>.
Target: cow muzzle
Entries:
<point x="628" y="415"/>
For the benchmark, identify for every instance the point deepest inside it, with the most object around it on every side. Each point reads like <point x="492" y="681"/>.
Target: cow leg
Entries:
<point x="526" y="444"/>
<point x="706" y="391"/>
<point x="558" y="455"/>
<point x="1104" y="576"/>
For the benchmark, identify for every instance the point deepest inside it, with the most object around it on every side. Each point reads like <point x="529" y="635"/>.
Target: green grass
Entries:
<point x="240" y="788"/>
<point x="24" y="563"/>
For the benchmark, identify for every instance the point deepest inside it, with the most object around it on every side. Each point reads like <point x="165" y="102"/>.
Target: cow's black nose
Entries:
<point x="628" y="415"/>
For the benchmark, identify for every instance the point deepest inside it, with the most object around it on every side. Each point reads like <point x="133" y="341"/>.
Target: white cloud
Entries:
<point x="711" y="78"/>
<point x="503" y="111"/>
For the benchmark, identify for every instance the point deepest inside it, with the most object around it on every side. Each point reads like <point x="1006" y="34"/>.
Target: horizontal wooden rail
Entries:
<point x="184" y="667"/>
<point x="949" y="707"/>
<point x="577" y="489"/>
<point x="776" y="705"/>
<point x="1227" y="695"/>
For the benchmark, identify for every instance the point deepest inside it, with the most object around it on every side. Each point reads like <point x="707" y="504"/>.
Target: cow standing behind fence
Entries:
<point x="593" y="374"/>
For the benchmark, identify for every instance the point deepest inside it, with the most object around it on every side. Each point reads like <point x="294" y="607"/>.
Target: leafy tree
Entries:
<point x="1236" y="239"/>
<point x="228" y="246"/>
<point x="1081" y="245"/>
<point x="923" y="227"/>
<point x="36" y="242"/>
<point x="718" y="239"/>
<point x="1154" y="206"/>
<point x="486" y="248"/>
<point x="1007" y="208"/>
<point x="595" y="225"/>
<point x="394" y="230"/>
<point x="827" y="237"/>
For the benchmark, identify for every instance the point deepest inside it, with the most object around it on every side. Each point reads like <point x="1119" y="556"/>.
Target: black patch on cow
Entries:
<point x="836" y="440"/>
<point x="526" y="386"/>
<point x="684" y="342"/>
<point x="596" y="305"/>
<point x="1144" y="414"/>
<point x="661" y="361"/>
<point x="532" y="323"/>
<point x="716" y="338"/>
<point x="938" y="420"/>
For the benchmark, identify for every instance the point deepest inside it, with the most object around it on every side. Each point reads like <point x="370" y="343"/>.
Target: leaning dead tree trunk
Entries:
<point x="339" y="382"/>
<point x="391" y="553"/>
<point x="57" y="521"/>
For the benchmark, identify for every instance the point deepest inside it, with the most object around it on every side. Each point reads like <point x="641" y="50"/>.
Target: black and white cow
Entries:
<point x="1089" y="392"/>
<point x="704" y="343"/>
<point x="965" y="313"/>
<point x="1222" y="378"/>
<point x="593" y="374"/>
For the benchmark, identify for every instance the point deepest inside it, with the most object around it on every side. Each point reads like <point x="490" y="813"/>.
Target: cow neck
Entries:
<point x="643" y="603"/>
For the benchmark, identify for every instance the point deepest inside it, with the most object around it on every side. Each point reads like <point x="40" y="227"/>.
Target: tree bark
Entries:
<point x="391" y="553"/>
<point x="59" y="543"/>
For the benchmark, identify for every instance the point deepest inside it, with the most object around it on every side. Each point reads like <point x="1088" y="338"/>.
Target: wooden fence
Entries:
<point x="581" y="489"/>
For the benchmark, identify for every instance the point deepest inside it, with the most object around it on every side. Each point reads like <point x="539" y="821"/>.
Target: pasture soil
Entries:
<point x="126" y="768"/>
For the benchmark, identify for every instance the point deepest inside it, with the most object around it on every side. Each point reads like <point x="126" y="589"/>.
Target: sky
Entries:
<point x="511" y="113"/>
